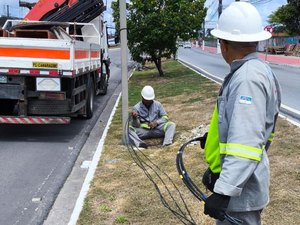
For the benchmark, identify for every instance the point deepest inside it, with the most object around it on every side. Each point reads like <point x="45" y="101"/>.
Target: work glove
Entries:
<point x="216" y="206"/>
<point x="209" y="179"/>
<point x="203" y="140"/>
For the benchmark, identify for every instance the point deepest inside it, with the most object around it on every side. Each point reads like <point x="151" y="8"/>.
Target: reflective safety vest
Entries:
<point x="214" y="147"/>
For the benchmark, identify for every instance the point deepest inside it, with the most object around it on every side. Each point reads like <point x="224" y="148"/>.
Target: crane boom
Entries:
<point x="81" y="11"/>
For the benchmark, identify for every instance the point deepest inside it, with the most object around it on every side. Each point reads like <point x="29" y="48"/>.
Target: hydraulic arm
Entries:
<point x="81" y="11"/>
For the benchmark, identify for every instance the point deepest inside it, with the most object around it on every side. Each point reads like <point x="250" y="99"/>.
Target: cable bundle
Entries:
<point x="154" y="173"/>
<point x="191" y="185"/>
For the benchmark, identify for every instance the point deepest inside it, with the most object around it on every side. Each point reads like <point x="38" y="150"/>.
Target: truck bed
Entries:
<point x="66" y="57"/>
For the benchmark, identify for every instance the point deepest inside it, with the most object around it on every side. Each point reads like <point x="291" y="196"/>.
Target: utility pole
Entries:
<point x="123" y="34"/>
<point x="203" y="31"/>
<point x="7" y="10"/>
<point x="219" y="13"/>
<point x="220" y="7"/>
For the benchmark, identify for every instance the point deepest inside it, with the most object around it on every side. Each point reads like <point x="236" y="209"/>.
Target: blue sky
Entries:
<point x="14" y="9"/>
<point x="265" y="7"/>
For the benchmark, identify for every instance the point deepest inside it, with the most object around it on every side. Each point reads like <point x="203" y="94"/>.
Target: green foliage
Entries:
<point x="121" y="219"/>
<point x="104" y="208"/>
<point x="289" y="16"/>
<point x="155" y="25"/>
<point x="178" y="80"/>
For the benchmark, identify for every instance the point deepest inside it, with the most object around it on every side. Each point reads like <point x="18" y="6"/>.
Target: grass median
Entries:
<point x="121" y="193"/>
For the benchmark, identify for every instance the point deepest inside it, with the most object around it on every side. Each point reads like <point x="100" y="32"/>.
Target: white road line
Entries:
<point x="187" y="65"/>
<point x="290" y="109"/>
<point x="92" y="168"/>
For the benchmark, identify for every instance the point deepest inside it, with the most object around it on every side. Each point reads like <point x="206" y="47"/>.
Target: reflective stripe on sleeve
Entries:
<point x="132" y="128"/>
<point x="165" y="117"/>
<point x="145" y="125"/>
<point x="271" y="137"/>
<point x="243" y="151"/>
<point x="166" y="126"/>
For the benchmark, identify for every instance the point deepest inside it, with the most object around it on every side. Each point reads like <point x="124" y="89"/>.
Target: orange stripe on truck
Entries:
<point x="95" y="54"/>
<point x="45" y="53"/>
<point x="81" y="54"/>
<point x="35" y="53"/>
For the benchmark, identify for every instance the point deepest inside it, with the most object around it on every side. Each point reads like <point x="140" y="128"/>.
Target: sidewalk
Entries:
<point x="275" y="59"/>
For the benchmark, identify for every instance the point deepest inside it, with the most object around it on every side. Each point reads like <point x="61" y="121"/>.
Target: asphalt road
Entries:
<point x="214" y="64"/>
<point x="35" y="160"/>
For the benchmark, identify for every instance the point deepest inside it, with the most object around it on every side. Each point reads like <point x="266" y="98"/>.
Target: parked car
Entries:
<point x="187" y="44"/>
<point x="180" y="44"/>
<point x="112" y="42"/>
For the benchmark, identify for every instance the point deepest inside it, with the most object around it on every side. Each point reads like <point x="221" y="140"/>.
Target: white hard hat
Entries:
<point x="240" y="22"/>
<point x="148" y="93"/>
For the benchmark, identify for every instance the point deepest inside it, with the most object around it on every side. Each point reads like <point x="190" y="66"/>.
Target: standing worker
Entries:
<point x="150" y="120"/>
<point x="243" y="121"/>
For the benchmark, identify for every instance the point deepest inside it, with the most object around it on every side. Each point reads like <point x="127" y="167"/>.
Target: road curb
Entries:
<point x="92" y="168"/>
<point x="69" y="201"/>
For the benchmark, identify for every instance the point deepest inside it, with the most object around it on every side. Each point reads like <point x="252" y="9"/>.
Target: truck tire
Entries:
<point x="104" y="80"/>
<point x="90" y="99"/>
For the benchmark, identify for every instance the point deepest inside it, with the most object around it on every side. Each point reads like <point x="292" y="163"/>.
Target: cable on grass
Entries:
<point x="153" y="172"/>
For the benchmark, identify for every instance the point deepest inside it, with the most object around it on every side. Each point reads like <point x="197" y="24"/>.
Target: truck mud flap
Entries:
<point x="34" y="120"/>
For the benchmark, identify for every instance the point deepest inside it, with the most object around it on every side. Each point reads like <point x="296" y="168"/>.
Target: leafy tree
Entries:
<point x="155" y="25"/>
<point x="116" y="14"/>
<point x="289" y="16"/>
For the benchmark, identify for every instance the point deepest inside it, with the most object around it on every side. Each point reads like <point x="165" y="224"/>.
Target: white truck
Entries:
<point x="50" y="71"/>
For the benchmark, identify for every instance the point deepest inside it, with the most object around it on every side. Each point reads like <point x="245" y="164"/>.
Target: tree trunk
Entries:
<point x="157" y="62"/>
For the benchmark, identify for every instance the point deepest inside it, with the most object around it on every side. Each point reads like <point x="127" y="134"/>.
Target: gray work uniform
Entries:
<point x="140" y="129"/>
<point x="248" y="106"/>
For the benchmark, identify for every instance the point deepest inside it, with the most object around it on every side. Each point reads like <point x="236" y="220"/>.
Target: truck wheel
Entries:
<point x="104" y="80"/>
<point x="90" y="99"/>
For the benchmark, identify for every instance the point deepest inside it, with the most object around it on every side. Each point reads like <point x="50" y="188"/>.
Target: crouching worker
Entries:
<point x="150" y="120"/>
